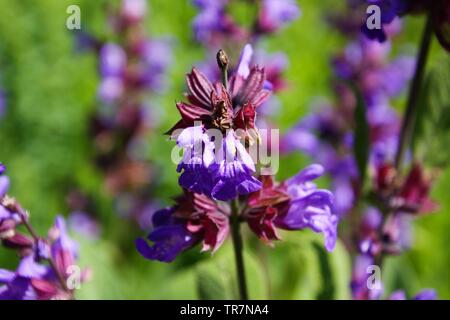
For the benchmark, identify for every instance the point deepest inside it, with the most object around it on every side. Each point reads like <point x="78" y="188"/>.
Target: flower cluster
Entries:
<point x="215" y="127"/>
<point x="220" y="168"/>
<point x="213" y="25"/>
<point x="47" y="265"/>
<point x="295" y="204"/>
<point x="402" y="199"/>
<point x="132" y="69"/>
<point x="328" y="135"/>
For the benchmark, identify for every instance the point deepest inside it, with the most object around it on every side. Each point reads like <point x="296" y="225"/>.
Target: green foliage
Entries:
<point x="433" y="123"/>
<point x="44" y="141"/>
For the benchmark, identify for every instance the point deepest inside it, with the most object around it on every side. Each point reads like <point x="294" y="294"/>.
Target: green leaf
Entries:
<point x="216" y="277"/>
<point x="303" y="269"/>
<point x="210" y="286"/>
<point x="432" y="135"/>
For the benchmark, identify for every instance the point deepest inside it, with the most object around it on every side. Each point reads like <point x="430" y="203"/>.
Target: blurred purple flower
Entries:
<point x="397" y="75"/>
<point x="275" y="14"/>
<point x="113" y="60"/>
<point x="113" y="63"/>
<point x="426" y="294"/>
<point x="111" y="89"/>
<point x="369" y="242"/>
<point x="210" y="19"/>
<point x="133" y="10"/>
<point x="156" y="58"/>
<point x="81" y="223"/>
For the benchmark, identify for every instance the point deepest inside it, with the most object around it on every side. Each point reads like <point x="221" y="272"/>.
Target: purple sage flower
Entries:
<point x="194" y="218"/>
<point x="18" y="285"/>
<point x="310" y="207"/>
<point x="215" y="161"/>
<point x="295" y="204"/>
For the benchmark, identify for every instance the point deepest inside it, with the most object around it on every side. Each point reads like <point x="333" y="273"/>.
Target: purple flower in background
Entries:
<point x="146" y="69"/>
<point x="85" y="225"/>
<point x="397" y="74"/>
<point x="370" y="243"/>
<point x="275" y="14"/>
<point x="133" y="11"/>
<point x="316" y="136"/>
<point x="113" y="61"/>
<point x="398" y="295"/>
<point x="210" y="19"/>
<point x="156" y="58"/>
<point x="426" y="294"/>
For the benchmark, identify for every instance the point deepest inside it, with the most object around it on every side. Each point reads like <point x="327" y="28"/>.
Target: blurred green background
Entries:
<point x="44" y="142"/>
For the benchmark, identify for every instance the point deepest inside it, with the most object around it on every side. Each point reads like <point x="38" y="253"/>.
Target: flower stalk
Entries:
<point x="414" y="93"/>
<point x="238" y="249"/>
<point x="235" y="221"/>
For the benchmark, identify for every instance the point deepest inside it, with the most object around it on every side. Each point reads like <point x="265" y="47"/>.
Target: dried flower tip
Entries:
<point x="222" y="59"/>
<point x="7" y="234"/>
<point x="9" y="202"/>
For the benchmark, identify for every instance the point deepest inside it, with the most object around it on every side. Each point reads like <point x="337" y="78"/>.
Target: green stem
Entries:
<point x="238" y="249"/>
<point x="414" y="94"/>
